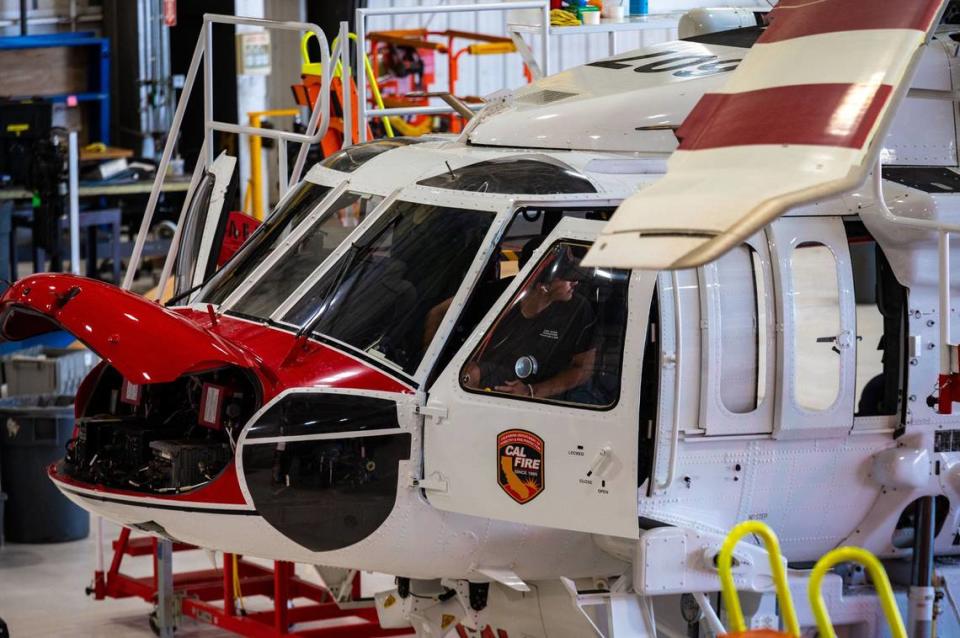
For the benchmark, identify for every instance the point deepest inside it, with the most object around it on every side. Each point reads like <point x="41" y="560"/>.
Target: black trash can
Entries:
<point x="34" y="431"/>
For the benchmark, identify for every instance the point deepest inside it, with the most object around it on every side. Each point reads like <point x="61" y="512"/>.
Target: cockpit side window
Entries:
<point x="526" y="231"/>
<point x="261" y="244"/>
<point x="560" y="338"/>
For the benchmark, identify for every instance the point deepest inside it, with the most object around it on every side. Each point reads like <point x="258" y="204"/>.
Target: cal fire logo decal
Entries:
<point x="520" y="464"/>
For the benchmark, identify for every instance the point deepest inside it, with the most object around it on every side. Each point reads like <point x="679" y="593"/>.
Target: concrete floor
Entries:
<point x="42" y="591"/>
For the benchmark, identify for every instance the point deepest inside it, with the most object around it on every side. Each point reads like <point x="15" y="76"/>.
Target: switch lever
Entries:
<point x="600" y="461"/>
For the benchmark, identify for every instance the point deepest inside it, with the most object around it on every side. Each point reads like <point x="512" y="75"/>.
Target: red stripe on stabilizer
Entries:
<point x="818" y="114"/>
<point x="798" y="18"/>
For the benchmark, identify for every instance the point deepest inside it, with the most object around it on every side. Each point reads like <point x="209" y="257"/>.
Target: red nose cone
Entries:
<point x="148" y="343"/>
<point x="143" y="340"/>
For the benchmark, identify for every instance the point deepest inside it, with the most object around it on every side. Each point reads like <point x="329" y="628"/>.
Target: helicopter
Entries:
<point x="538" y="369"/>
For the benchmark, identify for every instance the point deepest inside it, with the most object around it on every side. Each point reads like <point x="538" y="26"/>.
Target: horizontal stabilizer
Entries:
<point x="801" y="119"/>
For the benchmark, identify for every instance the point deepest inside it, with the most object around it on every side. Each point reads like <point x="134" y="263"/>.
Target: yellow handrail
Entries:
<point x="880" y="582"/>
<point x="730" y="597"/>
<point x="255" y="185"/>
<point x="315" y="68"/>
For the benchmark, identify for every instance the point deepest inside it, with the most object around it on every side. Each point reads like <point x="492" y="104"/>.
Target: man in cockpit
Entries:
<point x="545" y="345"/>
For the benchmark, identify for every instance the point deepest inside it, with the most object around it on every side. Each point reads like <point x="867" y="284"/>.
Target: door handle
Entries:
<point x="601" y="462"/>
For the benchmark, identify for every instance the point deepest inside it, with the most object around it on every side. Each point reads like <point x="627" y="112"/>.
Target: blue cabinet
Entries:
<point x="98" y="73"/>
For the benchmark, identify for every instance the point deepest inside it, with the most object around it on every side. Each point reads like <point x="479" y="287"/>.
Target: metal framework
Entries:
<point x="316" y="128"/>
<point x="365" y="113"/>
<point x="210" y="595"/>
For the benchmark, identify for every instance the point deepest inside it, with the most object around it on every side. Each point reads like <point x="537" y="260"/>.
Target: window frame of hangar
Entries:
<point x="501" y="310"/>
<point x="498" y="205"/>
<point x="327" y="200"/>
<point x="437" y="354"/>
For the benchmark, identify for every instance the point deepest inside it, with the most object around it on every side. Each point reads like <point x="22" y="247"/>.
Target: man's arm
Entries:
<point x="434" y="317"/>
<point x="577" y="373"/>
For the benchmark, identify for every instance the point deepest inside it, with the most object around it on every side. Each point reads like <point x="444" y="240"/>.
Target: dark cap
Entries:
<point x="567" y="267"/>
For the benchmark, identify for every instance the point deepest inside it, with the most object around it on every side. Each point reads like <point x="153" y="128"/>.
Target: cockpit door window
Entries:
<point x="560" y="338"/>
<point x="526" y="231"/>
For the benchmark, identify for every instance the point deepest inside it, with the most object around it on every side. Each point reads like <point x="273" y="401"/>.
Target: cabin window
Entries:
<point x="816" y="308"/>
<point x="881" y="308"/>
<point x="560" y="338"/>
<point x="292" y="210"/>
<point x="741" y="292"/>
<point x="300" y="261"/>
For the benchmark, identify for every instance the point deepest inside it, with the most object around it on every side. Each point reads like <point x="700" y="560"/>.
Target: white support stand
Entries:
<point x="631" y="616"/>
<point x="346" y="79"/>
<point x="166" y="611"/>
<point x="203" y="52"/>
<point x="73" y="163"/>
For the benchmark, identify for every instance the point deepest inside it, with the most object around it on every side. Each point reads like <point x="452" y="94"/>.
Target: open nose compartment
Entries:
<point x="162" y="438"/>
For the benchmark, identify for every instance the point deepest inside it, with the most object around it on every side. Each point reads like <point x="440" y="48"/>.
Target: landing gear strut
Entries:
<point x="922" y="592"/>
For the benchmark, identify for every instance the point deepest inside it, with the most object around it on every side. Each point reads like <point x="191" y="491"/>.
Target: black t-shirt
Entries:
<point x="553" y="337"/>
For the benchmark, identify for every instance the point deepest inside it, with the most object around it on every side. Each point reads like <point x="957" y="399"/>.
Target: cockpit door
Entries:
<point x="204" y="225"/>
<point x="534" y="420"/>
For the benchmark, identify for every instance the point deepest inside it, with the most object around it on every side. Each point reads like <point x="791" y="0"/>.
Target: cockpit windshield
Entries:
<point x="324" y="234"/>
<point x="264" y="241"/>
<point x="378" y="295"/>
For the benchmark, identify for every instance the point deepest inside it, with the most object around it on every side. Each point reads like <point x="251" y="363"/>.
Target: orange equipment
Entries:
<point x="415" y="73"/>
<point x="306" y="94"/>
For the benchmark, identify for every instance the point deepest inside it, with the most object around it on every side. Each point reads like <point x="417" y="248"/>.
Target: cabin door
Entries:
<point x="203" y="226"/>
<point x="815" y="300"/>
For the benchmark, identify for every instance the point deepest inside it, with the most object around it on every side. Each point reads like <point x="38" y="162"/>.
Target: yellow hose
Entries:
<point x="730" y="597"/>
<point x="411" y="130"/>
<point x="315" y="68"/>
<point x="880" y="583"/>
<point x="236" y="583"/>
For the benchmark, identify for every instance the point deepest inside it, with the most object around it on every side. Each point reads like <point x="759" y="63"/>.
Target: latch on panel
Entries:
<point x="433" y="483"/>
<point x="437" y="412"/>
<point x="914" y="346"/>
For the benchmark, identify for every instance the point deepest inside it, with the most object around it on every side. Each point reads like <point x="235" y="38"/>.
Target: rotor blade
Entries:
<point x="801" y="119"/>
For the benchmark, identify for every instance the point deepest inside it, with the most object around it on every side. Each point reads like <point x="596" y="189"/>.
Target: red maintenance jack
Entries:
<point x="216" y="596"/>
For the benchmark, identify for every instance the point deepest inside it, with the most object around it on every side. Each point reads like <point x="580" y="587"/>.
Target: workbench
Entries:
<point x="143" y="187"/>
<point x="89" y="220"/>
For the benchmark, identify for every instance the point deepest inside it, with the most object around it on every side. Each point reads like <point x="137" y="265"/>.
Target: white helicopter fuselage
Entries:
<point x="738" y="387"/>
